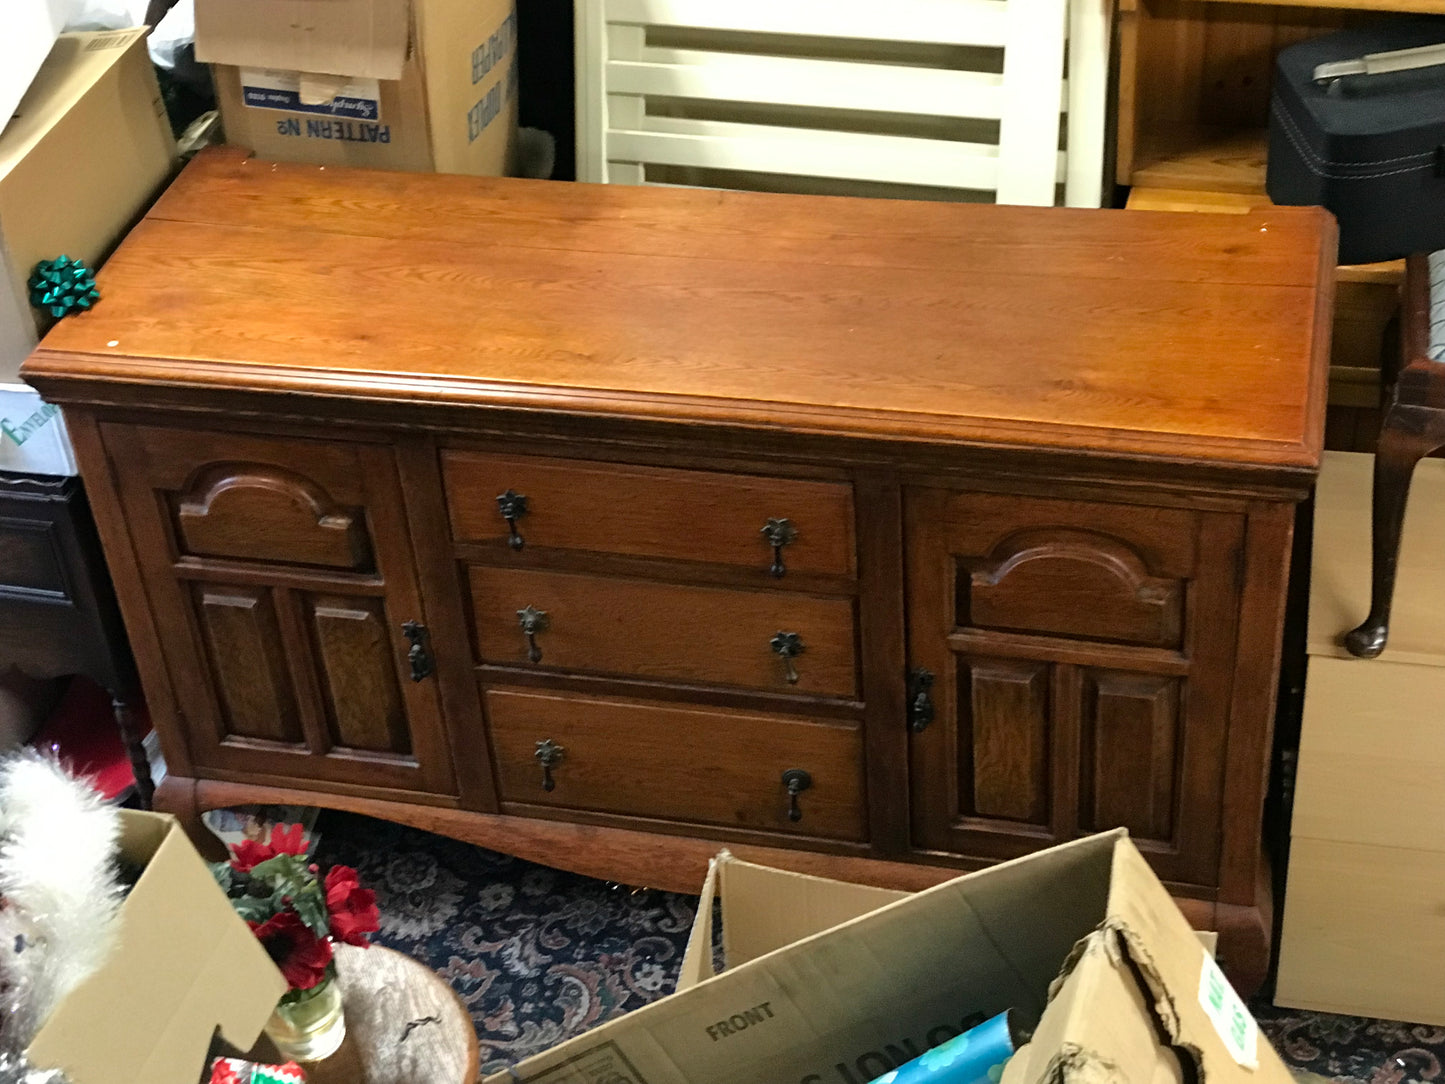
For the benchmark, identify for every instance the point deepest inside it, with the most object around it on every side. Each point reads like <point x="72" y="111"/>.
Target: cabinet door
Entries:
<point x="1082" y="659"/>
<point x="281" y="576"/>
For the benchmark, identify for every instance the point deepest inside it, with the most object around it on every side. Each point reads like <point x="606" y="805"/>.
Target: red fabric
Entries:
<point x="82" y="731"/>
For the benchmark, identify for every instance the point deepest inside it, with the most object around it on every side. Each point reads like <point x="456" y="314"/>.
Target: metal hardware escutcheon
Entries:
<point x="788" y="646"/>
<point x="920" y="699"/>
<point x="779" y="533"/>
<point x="549" y="754"/>
<point x="513" y="507"/>
<point x="533" y="621"/>
<point x="419" y="654"/>
<point x="796" y="781"/>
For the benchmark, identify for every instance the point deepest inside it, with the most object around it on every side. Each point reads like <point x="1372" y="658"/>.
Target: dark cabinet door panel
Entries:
<point x="360" y="686"/>
<point x="247" y="662"/>
<point x="1004" y="748"/>
<point x="1130" y="754"/>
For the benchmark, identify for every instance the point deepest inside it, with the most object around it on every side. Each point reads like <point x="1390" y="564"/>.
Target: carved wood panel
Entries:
<point x="1081" y="654"/>
<point x="1005" y="754"/>
<point x="264" y="514"/>
<point x="360" y="688"/>
<point x="1129" y="753"/>
<point x="248" y="663"/>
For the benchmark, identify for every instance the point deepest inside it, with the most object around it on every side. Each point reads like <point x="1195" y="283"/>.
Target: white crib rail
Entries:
<point x="621" y="76"/>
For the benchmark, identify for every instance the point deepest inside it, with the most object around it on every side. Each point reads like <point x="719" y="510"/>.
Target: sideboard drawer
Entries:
<point x="691" y="764"/>
<point x="682" y="515"/>
<point x="667" y="632"/>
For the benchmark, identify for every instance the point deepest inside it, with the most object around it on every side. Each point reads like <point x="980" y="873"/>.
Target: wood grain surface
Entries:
<point x="1133" y="334"/>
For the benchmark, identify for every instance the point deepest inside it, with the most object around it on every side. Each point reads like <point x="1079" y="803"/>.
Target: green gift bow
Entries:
<point x="62" y="286"/>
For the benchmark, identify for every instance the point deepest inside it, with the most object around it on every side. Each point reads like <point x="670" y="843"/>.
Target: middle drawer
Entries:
<point x="781" y="642"/>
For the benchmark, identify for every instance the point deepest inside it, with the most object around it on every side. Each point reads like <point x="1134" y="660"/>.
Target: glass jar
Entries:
<point x="309" y="1025"/>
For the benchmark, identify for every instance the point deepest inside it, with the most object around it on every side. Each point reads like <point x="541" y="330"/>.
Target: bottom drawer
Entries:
<point x="679" y="763"/>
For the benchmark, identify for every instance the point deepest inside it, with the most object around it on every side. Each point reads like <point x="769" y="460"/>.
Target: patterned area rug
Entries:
<point x="539" y="955"/>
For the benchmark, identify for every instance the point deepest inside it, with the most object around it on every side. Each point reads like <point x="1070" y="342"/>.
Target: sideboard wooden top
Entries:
<point x="1126" y="334"/>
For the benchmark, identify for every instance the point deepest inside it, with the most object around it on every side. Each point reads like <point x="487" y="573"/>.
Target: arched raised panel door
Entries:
<point x="285" y="592"/>
<point x="1081" y="655"/>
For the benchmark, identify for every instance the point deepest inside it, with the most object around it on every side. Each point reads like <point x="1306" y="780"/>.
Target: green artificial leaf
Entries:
<point x="310" y="904"/>
<point x="282" y="868"/>
<point x="222" y="872"/>
<point x="253" y="909"/>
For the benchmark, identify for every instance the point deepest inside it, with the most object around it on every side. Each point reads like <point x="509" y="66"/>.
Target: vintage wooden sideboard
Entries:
<point x="607" y="525"/>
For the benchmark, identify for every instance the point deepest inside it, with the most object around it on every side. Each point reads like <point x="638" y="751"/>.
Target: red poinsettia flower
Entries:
<point x="352" y="908"/>
<point x="285" y="839"/>
<point x="299" y="953"/>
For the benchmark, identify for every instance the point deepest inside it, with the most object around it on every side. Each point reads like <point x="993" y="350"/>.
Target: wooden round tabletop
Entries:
<point x="404" y="1025"/>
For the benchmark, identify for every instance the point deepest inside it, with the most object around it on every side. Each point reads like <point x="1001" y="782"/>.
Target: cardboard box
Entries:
<point x="28" y="28"/>
<point x="1082" y="936"/>
<point x="89" y="147"/>
<point x="418" y="85"/>
<point x="185" y="964"/>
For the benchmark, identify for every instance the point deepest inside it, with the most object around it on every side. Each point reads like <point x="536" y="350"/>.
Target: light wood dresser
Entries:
<point x="606" y="525"/>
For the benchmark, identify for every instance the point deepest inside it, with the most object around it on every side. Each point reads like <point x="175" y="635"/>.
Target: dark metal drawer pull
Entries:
<point x="796" y="781"/>
<point x="779" y="533"/>
<point x="513" y="507"/>
<point x="920" y="699"/>
<point x="533" y="621"/>
<point x="549" y="754"/>
<point x="788" y="645"/>
<point x="419" y="654"/>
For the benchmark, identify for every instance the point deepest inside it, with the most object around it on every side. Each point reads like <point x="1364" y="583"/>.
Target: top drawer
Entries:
<point x="684" y="515"/>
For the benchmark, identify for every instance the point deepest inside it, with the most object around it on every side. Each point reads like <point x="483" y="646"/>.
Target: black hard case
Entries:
<point x="1369" y="148"/>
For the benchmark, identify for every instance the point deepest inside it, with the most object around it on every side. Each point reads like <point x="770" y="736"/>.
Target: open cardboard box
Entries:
<point x="419" y="85"/>
<point x="1083" y="937"/>
<point x="184" y="965"/>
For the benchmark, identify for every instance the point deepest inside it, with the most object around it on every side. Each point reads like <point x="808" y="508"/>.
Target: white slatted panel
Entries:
<point x="949" y="22"/>
<point x="619" y="74"/>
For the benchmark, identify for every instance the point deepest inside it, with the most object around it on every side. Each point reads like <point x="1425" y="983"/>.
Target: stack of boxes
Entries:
<point x="1364" y="909"/>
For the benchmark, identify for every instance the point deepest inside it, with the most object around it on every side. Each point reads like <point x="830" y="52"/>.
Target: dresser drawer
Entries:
<point x="665" y="761"/>
<point x="682" y="515"/>
<point x="667" y="632"/>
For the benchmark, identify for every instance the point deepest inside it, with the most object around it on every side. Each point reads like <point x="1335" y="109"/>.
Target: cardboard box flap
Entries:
<point x="1195" y="1006"/>
<point x="184" y="964"/>
<point x="360" y="38"/>
<point x="71" y="70"/>
<point x="765" y="909"/>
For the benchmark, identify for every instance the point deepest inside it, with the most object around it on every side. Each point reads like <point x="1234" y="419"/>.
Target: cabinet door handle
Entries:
<point x="513" y="507"/>
<point x="920" y="699"/>
<point x="795" y="781"/>
<point x="533" y="621"/>
<point x="549" y="754"/>
<point x="788" y="646"/>
<point x="419" y="654"/>
<point x="779" y="533"/>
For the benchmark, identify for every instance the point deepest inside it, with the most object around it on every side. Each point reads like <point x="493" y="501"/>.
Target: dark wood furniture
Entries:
<point x="58" y="614"/>
<point x="606" y="525"/>
<point x="1413" y="426"/>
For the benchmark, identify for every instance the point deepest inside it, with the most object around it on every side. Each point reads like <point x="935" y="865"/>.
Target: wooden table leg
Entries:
<point x="135" y="747"/>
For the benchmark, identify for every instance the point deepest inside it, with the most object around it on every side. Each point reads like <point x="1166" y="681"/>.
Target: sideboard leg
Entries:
<point x="177" y="796"/>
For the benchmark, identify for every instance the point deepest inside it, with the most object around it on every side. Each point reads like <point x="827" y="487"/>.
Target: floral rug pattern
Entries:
<point x="539" y="955"/>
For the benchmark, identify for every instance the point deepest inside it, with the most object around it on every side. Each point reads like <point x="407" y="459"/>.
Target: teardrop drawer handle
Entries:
<point x="788" y="646"/>
<point x="533" y="621"/>
<point x="549" y="754"/>
<point x="779" y="533"/>
<point x="795" y="780"/>
<point x="513" y="507"/>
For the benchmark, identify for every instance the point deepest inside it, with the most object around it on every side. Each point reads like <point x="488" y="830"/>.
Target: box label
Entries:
<point x="1228" y="1015"/>
<point x="268" y="89"/>
<point x="20" y="432"/>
